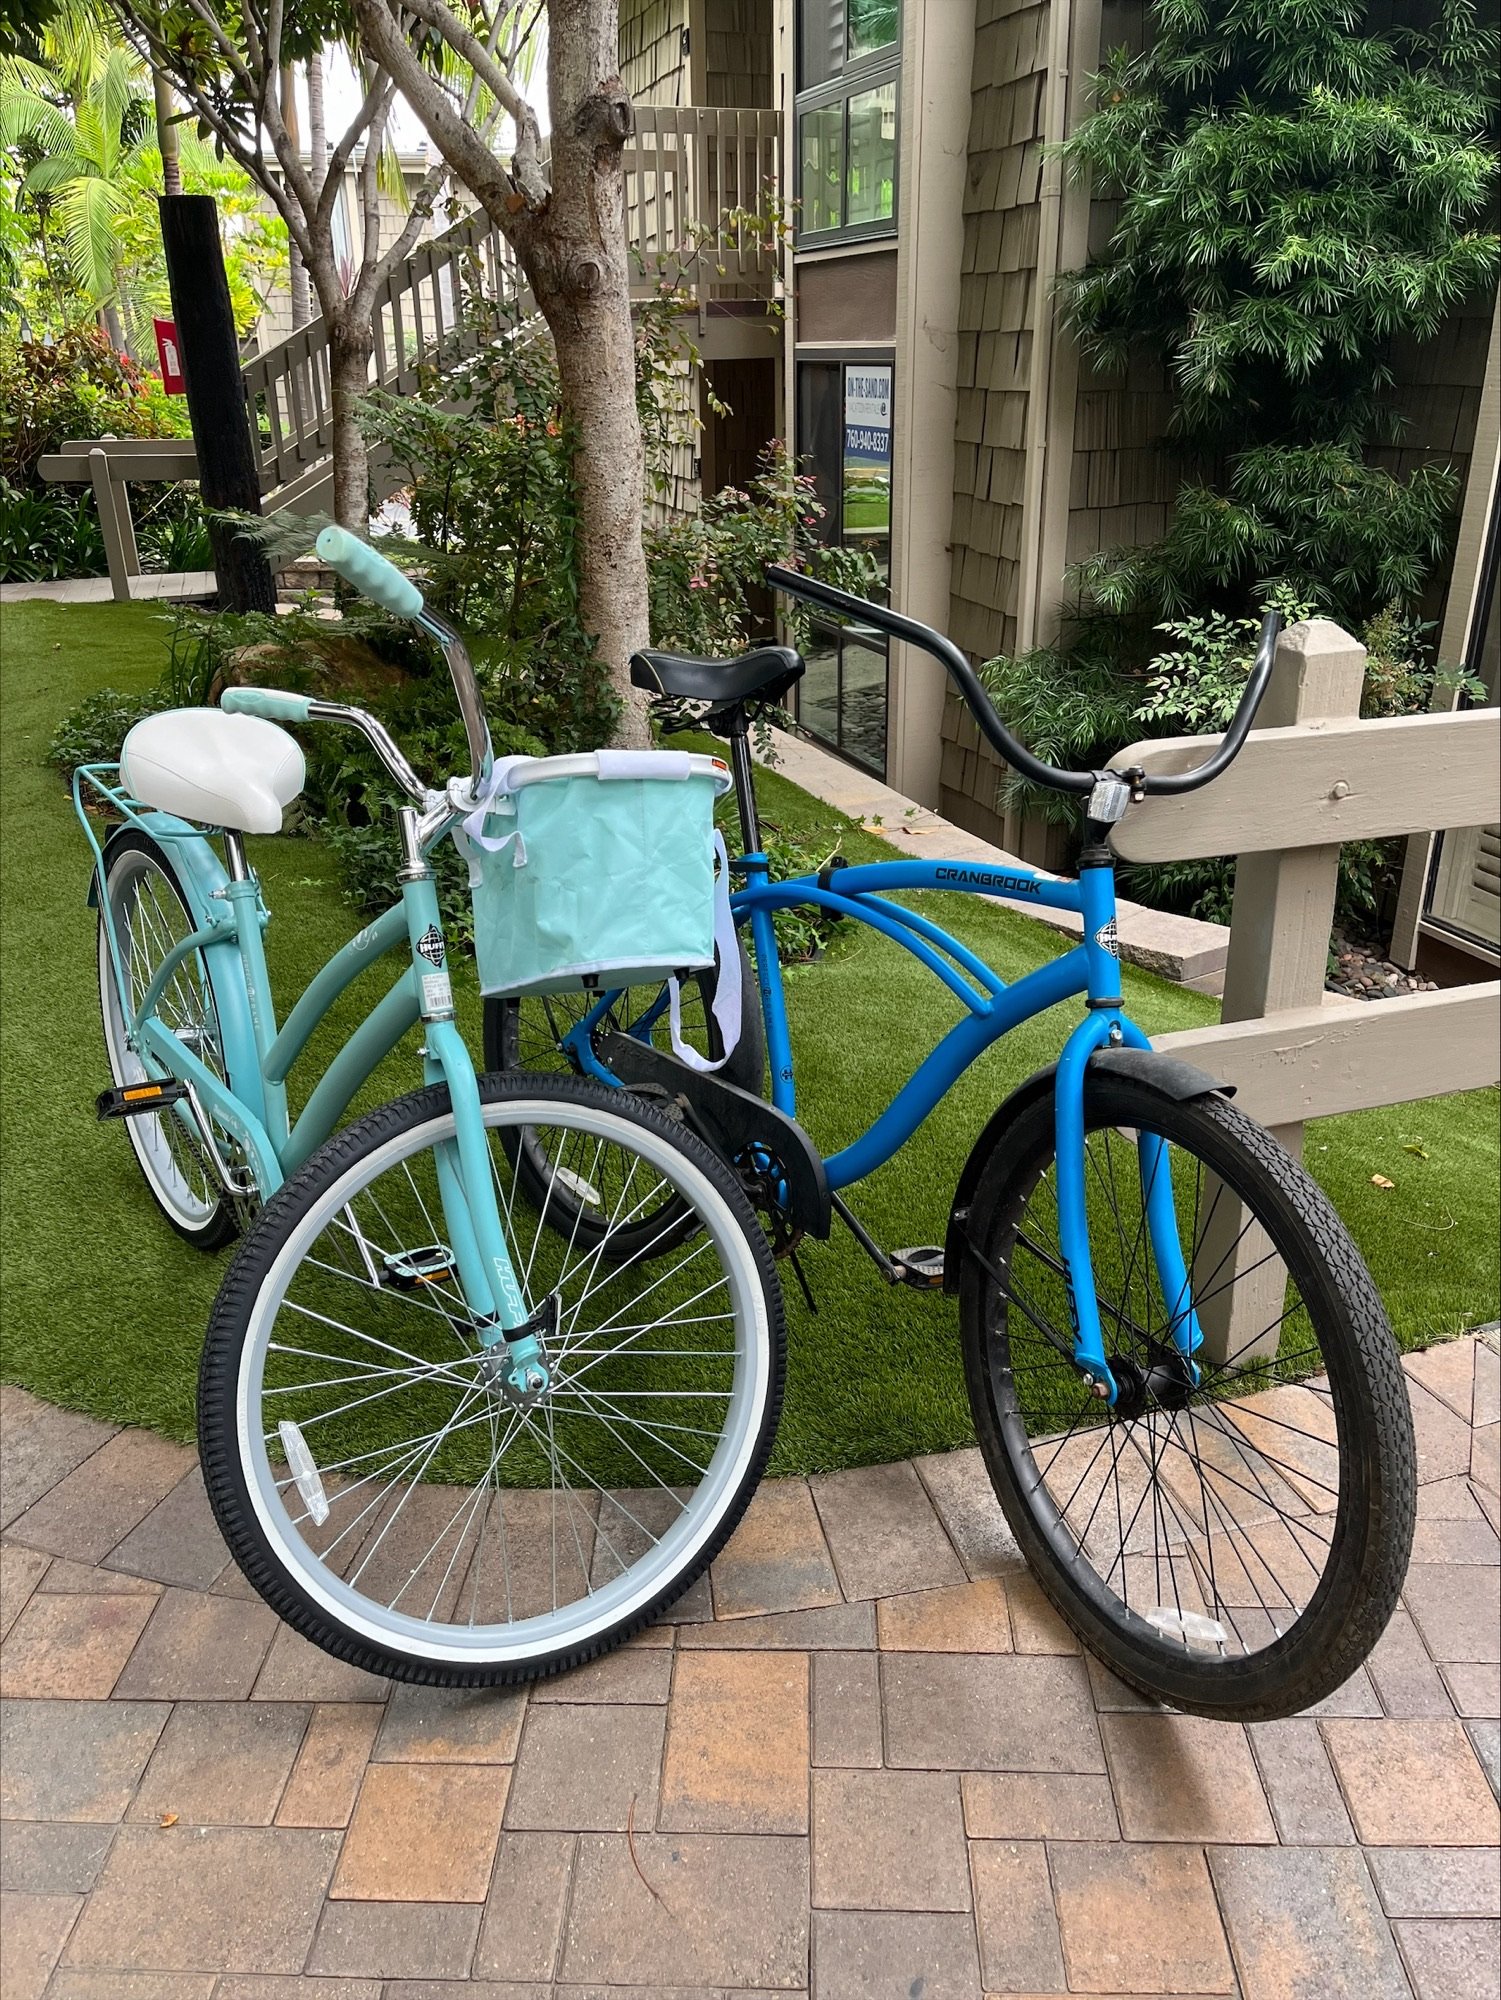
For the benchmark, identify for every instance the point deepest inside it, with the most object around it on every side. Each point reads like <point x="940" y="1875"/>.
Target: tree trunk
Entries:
<point x="350" y="346"/>
<point x="166" y="135"/>
<point x="109" y="319"/>
<point x="579" y="266"/>
<point x="297" y="279"/>
<point x="317" y="131"/>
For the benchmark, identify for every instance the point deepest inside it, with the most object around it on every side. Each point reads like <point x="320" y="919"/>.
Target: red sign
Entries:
<point x="170" y="355"/>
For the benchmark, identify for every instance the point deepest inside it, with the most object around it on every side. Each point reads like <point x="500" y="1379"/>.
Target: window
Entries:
<point x="848" y="53"/>
<point x="844" y="432"/>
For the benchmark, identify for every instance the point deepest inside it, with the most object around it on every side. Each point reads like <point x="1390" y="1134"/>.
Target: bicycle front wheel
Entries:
<point x="377" y="1480"/>
<point x="1234" y="1546"/>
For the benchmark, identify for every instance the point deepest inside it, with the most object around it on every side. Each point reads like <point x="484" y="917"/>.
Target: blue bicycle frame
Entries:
<point x="992" y="1007"/>
<point x="228" y="918"/>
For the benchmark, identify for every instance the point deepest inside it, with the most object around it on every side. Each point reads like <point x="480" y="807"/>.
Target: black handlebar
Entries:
<point x="995" y="732"/>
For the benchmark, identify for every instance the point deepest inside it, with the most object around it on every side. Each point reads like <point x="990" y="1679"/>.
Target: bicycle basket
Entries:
<point x="594" y="869"/>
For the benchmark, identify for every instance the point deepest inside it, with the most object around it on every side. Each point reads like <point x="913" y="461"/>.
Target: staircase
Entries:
<point x="686" y="171"/>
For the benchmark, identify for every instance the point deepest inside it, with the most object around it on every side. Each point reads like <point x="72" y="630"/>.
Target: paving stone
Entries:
<point x="1357" y="1696"/>
<point x="325" y="1779"/>
<point x="178" y="1542"/>
<point x="450" y="1726"/>
<point x="487" y="1989"/>
<point x="297" y="1670"/>
<point x="883" y="1533"/>
<point x="1473" y="1541"/>
<point x="1485" y="1740"/>
<point x="99" y="1502"/>
<point x="153" y="1986"/>
<point x="423" y="1833"/>
<point x="1020" y="1950"/>
<point x="689" y="1909"/>
<point x="1029" y="1805"/>
<point x="1411" y="1784"/>
<point x="39" y="1858"/>
<point x="1451" y="1961"/>
<point x="1443" y="1439"/>
<point x="1449" y="1500"/>
<point x="74" y="1760"/>
<point x="1474" y="1690"/>
<point x="1437" y="1881"/>
<point x="1300" y="1783"/>
<point x="223" y="1899"/>
<point x="21" y="1570"/>
<point x="221" y="1764"/>
<point x="43" y="1444"/>
<point x="737" y="1744"/>
<point x="860" y="1955"/>
<point x="71" y="1579"/>
<point x="844" y="1627"/>
<point x="396" y="1940"/>
<point x="1406" y="1680"/>
<point x="1457" y="1610"/>
<point x="960" y="1489"/>
<point x="1035" y="1625"/>
<point x="1305" y="1924"/>
<point x="950" y="1711"/>
<point x="846" y="1726"/>
<point x="35" y="1929"/>
<point x="1138" y="1919"/>
<point x="199" y="1648"/>
<point x="587" y="1766"/>
<point x="960" y="1618"/>
<point x="1487" y="1405"/>
<point x="71" y="1648"/>
<point x="1485" y="1464"/>
<point x="630" y="1673"/>
<point x="294" y="1987"/>
<point x="1180" y="1777"/>
<point x="1446" y="1370"/>
<point x="1112" y="1696"/>
<point x="888" y="1840"/>
<point x="777" y="1559"/>
<point x="523" y="1925"/>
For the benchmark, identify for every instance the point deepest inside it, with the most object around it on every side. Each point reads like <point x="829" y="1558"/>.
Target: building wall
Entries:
<point x="736" y="53"/>
<point x="653" y="59"/>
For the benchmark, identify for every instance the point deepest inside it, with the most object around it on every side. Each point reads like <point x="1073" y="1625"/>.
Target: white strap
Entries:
<point x="728" y="997"/>
<point x="673" y="764"/>
<point x="492" y="800"/>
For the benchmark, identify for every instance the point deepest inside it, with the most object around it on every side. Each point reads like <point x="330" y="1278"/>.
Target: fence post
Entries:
<point x="1280" y="924"/>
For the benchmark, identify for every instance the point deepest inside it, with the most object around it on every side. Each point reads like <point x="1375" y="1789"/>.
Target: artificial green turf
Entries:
<point x="104" y="1307"/>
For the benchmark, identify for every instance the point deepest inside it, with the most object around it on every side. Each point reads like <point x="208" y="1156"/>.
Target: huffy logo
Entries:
<point x="430" y="944"/>
<point x="1108" y="938"/>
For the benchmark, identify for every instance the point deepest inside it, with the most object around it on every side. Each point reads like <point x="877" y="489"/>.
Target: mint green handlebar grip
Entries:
<point x="271" y="704"/>
<point x="370" y="574"/>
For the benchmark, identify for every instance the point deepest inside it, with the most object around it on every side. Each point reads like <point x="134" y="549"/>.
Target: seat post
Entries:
<point x="737" y="728"/>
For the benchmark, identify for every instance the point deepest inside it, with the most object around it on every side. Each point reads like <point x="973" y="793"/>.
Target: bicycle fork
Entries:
<point x="1106" y="1025"/>
<point x="466" y="1177"/>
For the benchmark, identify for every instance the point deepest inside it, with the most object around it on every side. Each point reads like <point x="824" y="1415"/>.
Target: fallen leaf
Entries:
<point x="1381" y="1181"/>
<point x="1420" y="1151"/>
<point x="168" y="1819"/>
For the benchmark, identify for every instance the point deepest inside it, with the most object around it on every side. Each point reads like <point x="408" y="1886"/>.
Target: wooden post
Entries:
<point x="113" y="501"/>
<point x="228" y="460"/>
<point x="1280" y="924"/>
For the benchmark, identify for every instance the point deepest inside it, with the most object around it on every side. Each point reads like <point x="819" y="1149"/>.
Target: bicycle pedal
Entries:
<point x="921" y="1267"/>
<point x="405" y="1270"/>
<point x="131" y="1100"/>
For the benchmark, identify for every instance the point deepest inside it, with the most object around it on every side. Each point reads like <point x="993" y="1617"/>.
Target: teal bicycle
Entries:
<point x="444" y="1438"/>
<point x="1182" y="1379"/>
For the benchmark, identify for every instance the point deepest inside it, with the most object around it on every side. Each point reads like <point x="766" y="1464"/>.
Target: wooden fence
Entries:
<point x="1312" y="777"/>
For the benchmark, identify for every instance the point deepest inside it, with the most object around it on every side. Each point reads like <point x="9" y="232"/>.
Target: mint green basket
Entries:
<point x="596" y="870"/>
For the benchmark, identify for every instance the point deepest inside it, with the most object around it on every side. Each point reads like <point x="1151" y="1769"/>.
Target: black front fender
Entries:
<point x="1174" y="1079"/>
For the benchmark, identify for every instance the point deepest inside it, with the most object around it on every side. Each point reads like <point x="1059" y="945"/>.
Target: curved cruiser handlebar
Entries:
<point x="995" y="732"/>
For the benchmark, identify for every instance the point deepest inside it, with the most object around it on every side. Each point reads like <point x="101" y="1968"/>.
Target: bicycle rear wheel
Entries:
<point x="380" y="1483"/>
<point x="1234" y="1546"/>
<point x="151" y="914"/>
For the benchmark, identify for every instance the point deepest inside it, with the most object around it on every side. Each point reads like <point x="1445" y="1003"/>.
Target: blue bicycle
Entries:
<point x="1182" y="1378"/>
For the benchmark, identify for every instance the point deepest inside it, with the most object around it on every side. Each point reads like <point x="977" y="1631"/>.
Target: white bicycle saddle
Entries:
<point x="224" y="770"/>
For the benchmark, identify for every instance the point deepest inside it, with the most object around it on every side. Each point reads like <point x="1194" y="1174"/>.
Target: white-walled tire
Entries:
<point x="382" y="1492"/>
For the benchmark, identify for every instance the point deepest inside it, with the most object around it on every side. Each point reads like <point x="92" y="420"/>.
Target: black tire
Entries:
<point x="294" y="1567"/>
<point x="524" y="1035"/>
<point x="1318" y="1516"/>
<point x="140" y="872"/>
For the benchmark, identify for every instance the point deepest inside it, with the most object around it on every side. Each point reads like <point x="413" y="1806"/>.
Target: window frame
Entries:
<point x="854" y="79"/>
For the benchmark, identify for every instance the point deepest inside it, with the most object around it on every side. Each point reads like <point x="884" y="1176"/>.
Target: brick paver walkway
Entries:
<point x="867" y="1761"/>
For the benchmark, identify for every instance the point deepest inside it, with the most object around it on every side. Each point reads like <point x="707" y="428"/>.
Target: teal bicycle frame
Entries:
<point x="229" y="917"/>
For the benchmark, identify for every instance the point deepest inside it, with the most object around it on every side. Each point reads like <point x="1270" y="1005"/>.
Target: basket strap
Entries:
<point x="491" y="799"/>
<point x="728" y="997"/>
